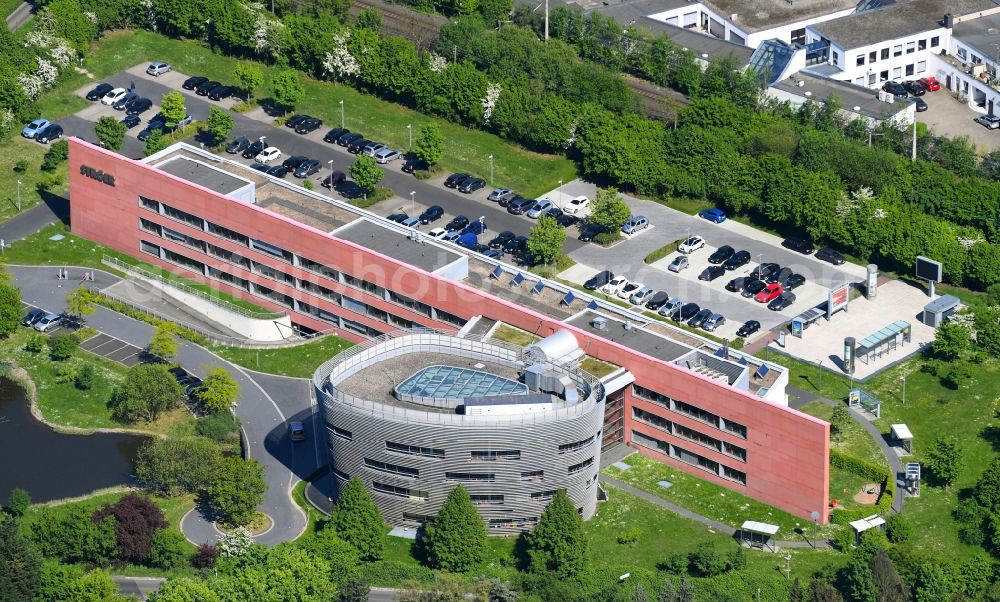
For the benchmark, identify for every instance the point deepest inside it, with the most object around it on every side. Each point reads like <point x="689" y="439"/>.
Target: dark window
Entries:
<point x="420" y="518"/>
<point x="921" y="44"/>
<point x="697" y="437"/>
<point x="341" y="433"/>
<point x="541" y="496"/>
<point x="228" y="234"/>
<point x="487" y="499"/>
<point x="885" y="54"/>
<point x="273" y="295"/>
<point x="396" y="469"/>
<point x="183" y="260"/>
<point x="450" y="318"/>
<point x="226" y="254"/>
<point x="318" y="268"/>
<point x="316" y="289"/>
<point x="798" y="36"/>
<point x="494" y="456"/>
<point x="149" y="204"/>
<point x="512" y="523"/>
<point x="533" y="475"/>
<point x="340" y="474"/>
<point x="735" y="428"/>
<point x="413" y="304"/>
<point x="148" y="247"/>
<point x="909" y="69"/>
<point x="414" y="450"/>
<point x="269" y="272"/>
<point x="184" y="216"/>
<point x="733" y="474"/>
<point x="266" y="247"/>
<point x="734" y="451"/>
<point x="872" y="56"/>
<point x="581" y="466"/>
<point x="477" y="477"/>
<point x="651" y="418"/>
<point x="227" y="277"/>
<point x="651" y="395"/>
<point x="400" y="322"/>
<point x="935" y="42"/>
<point x="149" y="226"/>
<point x="650" y="442"/>
<point x="883" y="76"/>
<point x="696" y="412"/>
<point x="353" y="305"/>
<point x="567" y="448"/>
<point x="695" y="459"/>
<point x="860" y="60"/>
<point x="399" y="491"/>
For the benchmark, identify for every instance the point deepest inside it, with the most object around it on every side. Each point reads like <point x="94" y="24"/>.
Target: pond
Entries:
<point x="52" y="465"/>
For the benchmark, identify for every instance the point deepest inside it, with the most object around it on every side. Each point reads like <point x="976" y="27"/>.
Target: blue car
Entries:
<point x="713" y="215"/>
<point x="34" y="127"/>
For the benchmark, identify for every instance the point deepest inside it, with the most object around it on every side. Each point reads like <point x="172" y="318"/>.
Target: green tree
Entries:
<point x="821" y="591"/>
<point x="248" y="77"/>
<point x="370" y="18"/>
<point x="79" y="303"/>
<point x="54" y="157"/>
<point x="18" y="501"/>
<point x="888" y="583"/>
<point x="163" y="345"/>
<point x="546" y="240"/>
<point x="20" y="563"/>
<point x="609" y="210"/>
<point x="951" y="341"/>
<point x="176" y="465"/>
<point x="287" y="90"/>
<point x="70" y="534"/>
<point x="685" y="592"/>
<point x="944" y="458"/>
<point x="558" y="543"/>
<point x="353" y="590"/>
<point x="62" y="346"/>
<point x="456" y="540"/>
<point x="667" y="592"/>
<point x="932" y="583"/>
<point x="86" y="377"/>
<point x="429" y="146"/>
<point x="172" y="107"/>
<point x="795" y="592"/>
<point x="859" y="582"/>
<point x="840" y="421"/>
<point x="156" y="142"/>
<point x="93" y="586"/>
<point x="639" y="594"/>
<point x="236" y="488"/>
<point x="184" y="589"/>
<point x="169" y="549"/>
<point x="57" y="579"/>
<point x="898" y="528"/>
<point x="219" y="124"/>
<point x="357" y="520"/>
<point x="495" y="11"/>
<point x="10" y="309"/>
<point x="366" y="173"/>
<point x="340" y="555"/>
<point x="148" y="390"/>
<point x="219" y="390"/>
<point x="110" y="132"/>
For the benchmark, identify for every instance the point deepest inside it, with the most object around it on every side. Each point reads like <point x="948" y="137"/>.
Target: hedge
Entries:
<point x="662" y="252"/>
<point x="871" y="472"/>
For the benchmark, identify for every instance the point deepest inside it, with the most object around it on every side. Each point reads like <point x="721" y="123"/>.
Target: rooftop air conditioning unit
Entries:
<point x="599" y="323"/>
<point x="627" y="325"/>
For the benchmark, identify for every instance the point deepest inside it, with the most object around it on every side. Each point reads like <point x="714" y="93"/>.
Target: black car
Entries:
<point x="516" y="245"/>
<point x="554" y="213"/>
<point x="260" y="167"/>
<point x="781" y="302"/>
<point x="793" y="281"/>
<point x="255" y="148"/>
<point x="99" y="91"/>
<point x="721" y="254"/>
<point x="49" y="133"/>
<point x="357" y="145"/>
<point x="735" y="285"/>
<point x="333" y="179"/>
<point x="125" y="101"/>
<point x="294" y="161"/>
<point x="686" y="312"/>
<point x="711" y="273"/>
<point x="238" y="145"/>
<point x="780" y="275"/>
<point x="150" y="128"/>
<point x="335" y="133"/>
<point x="294" y="121"/>
<point x="749" y="327"/>
<point x="501" y="239"/>
<point x="193" y="82"/>
<point x="158" y="120"/>
<point x="589" y="231"/>
<point x="699" y="317"/>
<point x="139" y="106"/>
<point x="414" y="165"/>
<point x="566" y="220"/>
<point x="598" y="280"/>
<point x="308" y="126"/>
<point x="33" y="316"/>
<point x="455" y="179"/>
<point x="764" y="270"/>
<point x="740" y="259"/>
<point x="348" y="138"/>
<point x="432" y="213"/>
<point x="397" y="217"/>
<point x="205" y="87"/>
<point x="657" y="301"/>
<point x="471" y="185"/>
<point x="829" y="255"/>
<point x="914" y="88"/>
<point x="493" y="253"/>
<point x="130" y="121"/>
<point x="751" y="287"/>
<point x="220" y="93"/>
<point x="458" y="223"/>
<point x="278" y="171"/>
<point x="798" y="245"/>
<point x="307" y="168"/>
<point x="520" y="205"/>
<point x="896" y="89"/>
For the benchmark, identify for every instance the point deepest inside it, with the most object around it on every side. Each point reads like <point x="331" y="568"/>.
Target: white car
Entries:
<point x="437" y="233"/>
<point x="691" y="245"/>
<point x="576" y="204"/>
<point x="114" y="96"/>
<point x="630" y="289"/>
<point x="616" y="284"/>
<point x="268" y="154"/>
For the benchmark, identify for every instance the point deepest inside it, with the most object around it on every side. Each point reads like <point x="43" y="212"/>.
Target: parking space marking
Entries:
<point x="131" y="360"/>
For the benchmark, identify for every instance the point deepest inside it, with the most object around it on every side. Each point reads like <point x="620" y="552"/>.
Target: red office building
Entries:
<point x="331" y="267"/>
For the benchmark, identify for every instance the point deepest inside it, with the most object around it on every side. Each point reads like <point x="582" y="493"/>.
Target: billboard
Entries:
<point x="838" y="297"/>
<point x="928" y="269"/>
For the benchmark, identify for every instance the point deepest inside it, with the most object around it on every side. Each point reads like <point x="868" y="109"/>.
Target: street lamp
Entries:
<point x="788" y="566"/>
<point x="19" y="196"/>
<point x="409" y="133"/>
<point x="903" y="378"/>
<point x="330" y="163"/>
<point x="560" y="194"/>
<point x="491" y="169"/>
<point x="413" y="193"/>
<point x="815" y="517"/>
<point x="341" y="114"/>
<point x="819" y="372"/>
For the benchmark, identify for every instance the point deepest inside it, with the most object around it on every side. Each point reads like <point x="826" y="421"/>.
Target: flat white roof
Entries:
<point x="756" y="527"/>
<point x="870" y="522"/>
<point x="901" y="431"/>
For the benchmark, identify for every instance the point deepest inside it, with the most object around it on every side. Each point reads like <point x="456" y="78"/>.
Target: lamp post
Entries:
<point x="341" y="114"/>
<point x="788" y="566"/>
<point x="19" y="196"/>
<point x="413" y="193"/>
<point x="815" y="517"/>
<point x="330" y="163"/>
<point x="233" y="406"/>
<point x="903" y="378"/>
<point x="409" y="134"/>
<point x="560" y="194"/>
<point x="491" y="169"/>
<point x="819" y="372"/>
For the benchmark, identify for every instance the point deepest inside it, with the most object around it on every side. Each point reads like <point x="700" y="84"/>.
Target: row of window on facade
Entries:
<point x="896" y="51"/>
<point x="692" y="411"/>
<point x="689" y="457"/>
<point x="682" y="432"/>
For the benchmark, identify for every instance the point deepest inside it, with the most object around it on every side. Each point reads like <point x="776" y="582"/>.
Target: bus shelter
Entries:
<point x="758" y="535"/>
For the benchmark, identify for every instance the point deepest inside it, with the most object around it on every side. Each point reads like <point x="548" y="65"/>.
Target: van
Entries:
<point x="296" y="431"/>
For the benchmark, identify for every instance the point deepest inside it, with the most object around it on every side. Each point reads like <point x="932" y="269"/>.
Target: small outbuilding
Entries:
<point x="939" y="310"/>
<point x="864" y="524"/>
<point x="758" y="535"/>
<point x="902" y="438"/>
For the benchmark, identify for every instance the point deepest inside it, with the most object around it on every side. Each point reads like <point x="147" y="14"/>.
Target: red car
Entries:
<point x="769" y="293"/>
<point x="930" y="83"/>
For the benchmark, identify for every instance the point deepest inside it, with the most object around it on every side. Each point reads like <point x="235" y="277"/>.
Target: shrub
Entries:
<point x="136" y="521"/>
<point x="662" y="252"/>
<point x="62" y="346"/>
<point x="220" y="426"/>
<point x="606" y="239"/>
<point x="57" y="153"/>
<point x="169" y="549"/>
<point x="307" y="184"/>
<point x="205" y="557"/>
<point x="628" y="536"/>
<point x="21" y="166"/>
<point x="898" y="528"/>
<point x="86" y="377"/>
<point x="676" y="564"/>
<point x="18" y="501"/>
<point x="708" y="562"/>
<point x="85" y="333"/>
<point x="65" y="373"/>
<point x="49" y="181"/>
<point x="35" y="343"/>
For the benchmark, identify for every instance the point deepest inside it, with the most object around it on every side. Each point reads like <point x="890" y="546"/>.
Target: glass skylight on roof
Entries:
<point x="451" y="382"/>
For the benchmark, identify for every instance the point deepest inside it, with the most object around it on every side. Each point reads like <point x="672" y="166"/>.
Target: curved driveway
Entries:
<point x="265" y="404"/>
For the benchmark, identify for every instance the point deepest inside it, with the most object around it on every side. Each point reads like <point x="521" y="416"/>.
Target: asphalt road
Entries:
<point x="255" y="124"/>
<point x="139" y="587"/>
<point x="19" y="16"/>
<point x="24" y="224"/>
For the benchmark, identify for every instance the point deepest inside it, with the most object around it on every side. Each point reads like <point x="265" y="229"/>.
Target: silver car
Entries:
<point x="679" y="263"/>
<point x="670" y="307"/>
<point x="386" y="155"/>
<point x="49" y="321"/>
<point x="641" y="296"/>
<point x="713" y="321"/>
<point x="158" y="68"/>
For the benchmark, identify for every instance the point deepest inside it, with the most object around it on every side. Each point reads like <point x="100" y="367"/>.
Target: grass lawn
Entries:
<point x="844" y="486"/>
<point x="596" y="367"/>
<point x="299" y="361"/>
<point x="14" y="149"/>
<point x="312" y="514"/>
<point x="64" y="404"/>
<point x="708" y="499"/>
<point x="513" y="335"/>
<point x="853" y="441"/>
<point x="689" y="206"/>
<point x="806" y="376"/>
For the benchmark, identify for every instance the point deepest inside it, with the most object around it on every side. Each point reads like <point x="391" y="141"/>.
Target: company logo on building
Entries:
<point x="96" y="174"/>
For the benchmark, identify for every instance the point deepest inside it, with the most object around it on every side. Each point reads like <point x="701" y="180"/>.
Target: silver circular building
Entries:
<point x="416" y="413"/>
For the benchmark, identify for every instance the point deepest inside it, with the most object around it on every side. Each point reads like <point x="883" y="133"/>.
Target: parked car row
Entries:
<point x="43" y="131"/>
<point x="354" y="142"/>
<point x="203" y="86"/>
<point x="41" y="320"/>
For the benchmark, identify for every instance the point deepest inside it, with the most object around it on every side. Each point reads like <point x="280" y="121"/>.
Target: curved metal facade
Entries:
<point x="410" y="459"/>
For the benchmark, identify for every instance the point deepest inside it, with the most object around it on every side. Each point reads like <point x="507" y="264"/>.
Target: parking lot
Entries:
<point x="100" y="344"/>
<point x="947" y="116"/>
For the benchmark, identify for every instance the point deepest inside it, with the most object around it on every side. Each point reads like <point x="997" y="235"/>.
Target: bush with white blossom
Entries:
<point x="236" y="543"/>
<point x="340" y="61"/>
<point x="490" y="101"/>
